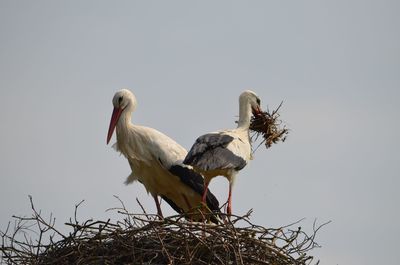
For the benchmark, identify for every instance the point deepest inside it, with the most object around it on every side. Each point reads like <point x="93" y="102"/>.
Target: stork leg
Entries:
<point x="159" y="212"/>
<point x="205" y="191"/>
<point x="229" y="208"/>
<point x="189" y="211"/>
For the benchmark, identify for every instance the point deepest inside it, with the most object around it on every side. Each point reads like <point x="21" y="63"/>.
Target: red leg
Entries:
<point x="159" y="212"/>
<point x="229" y="208"/>
<point x="205" y="192"/>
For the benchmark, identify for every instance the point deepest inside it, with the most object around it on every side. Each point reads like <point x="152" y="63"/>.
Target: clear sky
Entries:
<point x="336" y="65"/>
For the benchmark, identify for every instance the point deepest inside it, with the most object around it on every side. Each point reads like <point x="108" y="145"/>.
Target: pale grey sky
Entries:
<point x="336" y="65"/>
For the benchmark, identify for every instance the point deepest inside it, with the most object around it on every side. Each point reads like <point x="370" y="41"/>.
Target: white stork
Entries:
<point x="156" y="160"/>
<point x="225" y="153"/>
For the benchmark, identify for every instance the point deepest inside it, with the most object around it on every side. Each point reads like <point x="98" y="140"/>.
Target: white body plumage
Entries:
<point x="155" y="159"/>
<point x="225" y="153"/>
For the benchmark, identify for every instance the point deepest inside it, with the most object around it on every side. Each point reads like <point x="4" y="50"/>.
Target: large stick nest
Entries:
<point x="145" y="239"/>
<point x="269" y="125"/>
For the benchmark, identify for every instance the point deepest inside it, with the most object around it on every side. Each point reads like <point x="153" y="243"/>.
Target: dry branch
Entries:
<point x="269" y="126"/>
<point x="144" y="239"/>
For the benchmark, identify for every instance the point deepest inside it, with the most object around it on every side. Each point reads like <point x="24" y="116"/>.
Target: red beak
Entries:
<point x="257" y="111"/>
<point x="114" y="119"/>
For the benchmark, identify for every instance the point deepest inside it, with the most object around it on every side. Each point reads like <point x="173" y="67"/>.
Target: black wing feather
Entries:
<point x="206" y="143"/>
<point x="173" y="205"/>
<point x="209" y="153"/>
<point x="195" y="181"/>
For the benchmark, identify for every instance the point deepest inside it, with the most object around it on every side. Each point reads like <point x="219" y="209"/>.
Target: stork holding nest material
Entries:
<point x="225" y="153"/>
<point x="156" y="161"/>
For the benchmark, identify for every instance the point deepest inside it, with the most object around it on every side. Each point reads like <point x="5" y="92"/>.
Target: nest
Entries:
<point x="145" y="239"/>
<point x="269" y="126"/>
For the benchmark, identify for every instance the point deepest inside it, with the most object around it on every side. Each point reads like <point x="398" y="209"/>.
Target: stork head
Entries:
<point x="123" y="101"/>
<point x="251" y="98"/>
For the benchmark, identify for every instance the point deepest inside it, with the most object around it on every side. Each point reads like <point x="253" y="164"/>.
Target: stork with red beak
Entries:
<point x="156" y="160"/>
<point x="225" y="153"/>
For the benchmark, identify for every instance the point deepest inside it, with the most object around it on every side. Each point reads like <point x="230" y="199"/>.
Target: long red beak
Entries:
<point x="114" y="119"/>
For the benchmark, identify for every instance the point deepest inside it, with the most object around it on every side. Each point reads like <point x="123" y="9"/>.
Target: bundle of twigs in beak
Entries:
<point x="269" y="126"/>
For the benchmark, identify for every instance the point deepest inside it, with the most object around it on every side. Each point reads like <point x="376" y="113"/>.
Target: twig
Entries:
<point x="143" y="238"/>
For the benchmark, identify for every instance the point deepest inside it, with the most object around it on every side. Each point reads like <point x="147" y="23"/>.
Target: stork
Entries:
<point x="156" y="160"/>
<point x="225" y="153"/>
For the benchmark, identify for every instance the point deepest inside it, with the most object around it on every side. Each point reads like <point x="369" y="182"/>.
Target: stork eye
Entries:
<point x="258" y="101"/>
<point x="120" y="100"/>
